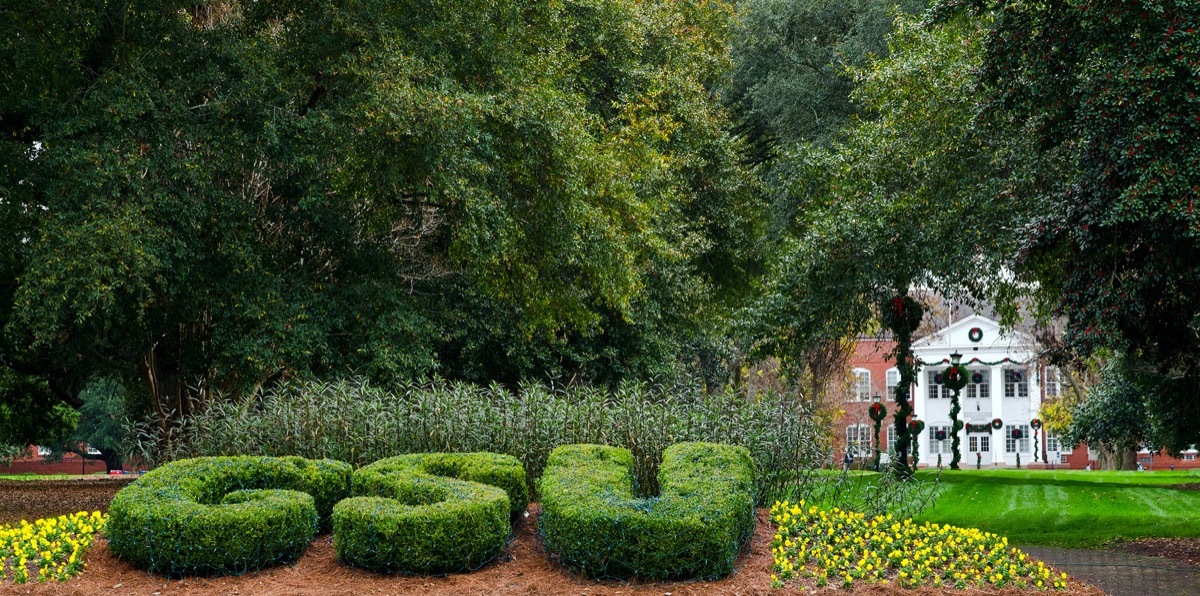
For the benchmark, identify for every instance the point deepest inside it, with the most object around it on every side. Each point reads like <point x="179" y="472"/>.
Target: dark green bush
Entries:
<point x="430" y="513"/>
<point x="224" y="514"/>
<point x="593" y="522"/>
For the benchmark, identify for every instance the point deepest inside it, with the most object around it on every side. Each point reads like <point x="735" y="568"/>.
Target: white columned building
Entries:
<point x="1004" y="384"/>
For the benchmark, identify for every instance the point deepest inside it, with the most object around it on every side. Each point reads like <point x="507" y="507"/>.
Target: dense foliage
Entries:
<point x="595" y="524"/>
<point x="359" y="423"/>
<point x="1114" y="416"/>
<point x="430" y="513"/>
<point x="1109" y="89"/>
<point x="204" y="197"/>
<point x="224" y="514"/>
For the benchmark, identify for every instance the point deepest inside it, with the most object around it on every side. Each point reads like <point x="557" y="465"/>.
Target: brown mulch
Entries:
<point x="34" y="499"/>
<point x="1184" y="550"/>
<point x="525" y="569"/>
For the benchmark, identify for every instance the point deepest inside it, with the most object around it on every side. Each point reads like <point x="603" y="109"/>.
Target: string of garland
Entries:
<point x="975" y="361"/>
<point x="902" y="315"/>
<point x="877" y="412"/>
<point x="954" y="378"/>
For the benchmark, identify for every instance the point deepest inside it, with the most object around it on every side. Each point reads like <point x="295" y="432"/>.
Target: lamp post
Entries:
<point x="955" y="378"/>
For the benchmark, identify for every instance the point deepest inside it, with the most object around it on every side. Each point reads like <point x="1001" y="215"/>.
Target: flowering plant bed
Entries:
<point x="50" y="548"/>
<point x="845" y="548"/>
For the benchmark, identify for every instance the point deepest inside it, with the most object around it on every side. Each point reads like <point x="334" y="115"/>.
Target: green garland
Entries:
<point x="975" y="361"/>
<point x="955" y="377"/>
<point x="902" y="315"/>
<point x="877" y="412"/>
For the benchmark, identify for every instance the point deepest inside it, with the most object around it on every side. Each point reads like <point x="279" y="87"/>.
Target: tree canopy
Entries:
<point x="206" y="196"/>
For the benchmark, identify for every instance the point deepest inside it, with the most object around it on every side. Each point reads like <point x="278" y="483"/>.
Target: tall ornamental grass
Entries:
<point x="353" y="421"/>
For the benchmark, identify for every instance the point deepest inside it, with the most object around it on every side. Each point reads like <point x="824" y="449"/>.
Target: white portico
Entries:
<point x="1004" y="384"/>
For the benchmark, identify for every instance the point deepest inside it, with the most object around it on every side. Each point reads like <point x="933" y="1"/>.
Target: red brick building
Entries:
<point x="1008" y="385"/>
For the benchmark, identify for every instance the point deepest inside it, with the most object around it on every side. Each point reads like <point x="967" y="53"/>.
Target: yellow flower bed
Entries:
<point x="842" y="547"/>
<point x="50" y="548"/>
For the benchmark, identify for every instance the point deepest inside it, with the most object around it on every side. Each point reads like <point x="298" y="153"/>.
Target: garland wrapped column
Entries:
<point x="902" y="315"/>
<point x="915" y="428"/>
<point x="955" y="377"/>
<point x="877" y="412"/>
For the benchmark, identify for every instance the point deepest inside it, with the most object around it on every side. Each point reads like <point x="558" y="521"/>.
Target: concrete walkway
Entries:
<point x="1121" y="574"/>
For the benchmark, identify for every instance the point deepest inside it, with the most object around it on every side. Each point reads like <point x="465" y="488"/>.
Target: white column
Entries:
<point x="996" y="381"/>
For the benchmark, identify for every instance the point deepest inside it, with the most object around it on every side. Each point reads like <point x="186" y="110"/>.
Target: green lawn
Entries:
<point x="45" y="476"/>
<point x="1070" y="508"/>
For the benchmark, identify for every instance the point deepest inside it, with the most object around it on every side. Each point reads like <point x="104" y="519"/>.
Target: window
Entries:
<point x="1051" y="442"/>
<point x="978" y="390"/>
<point x="1015" y="383"/>
<point x="936" y="390"/>
<point x="942" y="446"/>
<point x="1053" y="382"/>
<point x="858" y="440"/>
<point x="862" y="385"/>
<point x="92" y="450"/>
<point x="893" y="379"/>
<point x="1012" y="444"/>
<point x="43" y="451"/>
<point x="891" y="439"/>
<point x="1189" y="456"/>
<point x="979" y="443"/>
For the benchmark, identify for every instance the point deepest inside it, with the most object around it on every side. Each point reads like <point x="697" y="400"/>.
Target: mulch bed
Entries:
<point x="1184" y="550"/>
<point x="34" y="499"/>
<point x="524" y="569"/>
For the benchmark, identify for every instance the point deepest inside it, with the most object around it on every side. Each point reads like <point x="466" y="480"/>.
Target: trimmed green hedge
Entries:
<point x="694" y="529"/>
<point x="224" y="514"/>
<point x="430" y="512"/>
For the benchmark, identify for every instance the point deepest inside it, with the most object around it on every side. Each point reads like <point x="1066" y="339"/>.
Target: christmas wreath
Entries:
<point x="1035" y="424"/>
<point x="1016" y="433"/>
<point x="877" y="412"/>
<point x="916" y="426"/>
<point x="997" y="423"/>
<point x="977" y="378"/>
<point x="975" y="334"/>
<point x="954" y="377"/>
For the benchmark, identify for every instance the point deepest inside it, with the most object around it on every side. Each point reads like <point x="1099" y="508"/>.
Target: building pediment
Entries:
<point x="975" y="336"/>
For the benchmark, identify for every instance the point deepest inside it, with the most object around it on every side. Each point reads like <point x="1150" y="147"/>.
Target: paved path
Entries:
<point x="1122" y="574"/>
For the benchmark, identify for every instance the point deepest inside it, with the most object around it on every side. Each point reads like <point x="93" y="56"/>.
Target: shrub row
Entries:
<point x="430" y="513"/>
<point x="224" y="514"/>
<point x="593" y="522"/>
<point x="440" y="512"/>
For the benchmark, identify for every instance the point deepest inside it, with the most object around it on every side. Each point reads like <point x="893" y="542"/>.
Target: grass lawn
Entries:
<point x="1069" y="508"/>
<point x="48" y="476"/>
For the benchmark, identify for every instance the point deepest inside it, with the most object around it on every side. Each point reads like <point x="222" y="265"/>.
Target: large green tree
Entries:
<point x="913" y="196"/>
<point x="204" y="196"/>
<point x="1112" y="88"/>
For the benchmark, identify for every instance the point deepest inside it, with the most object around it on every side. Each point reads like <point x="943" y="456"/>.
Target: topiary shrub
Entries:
<point x="224" y="514"/>
<point x="430" y="512"/>
<point x="593" y="522"/>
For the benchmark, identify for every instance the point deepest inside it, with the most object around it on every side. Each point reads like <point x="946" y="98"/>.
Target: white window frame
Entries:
<point x="44" y="451"/>
<point x="1012" y="445"/>
<point x="1053" y="382"/>
<point x="892" y="378"/>
<point x="1052" y="443"/>
<point x="1016" y="388"/>
<point x="943" y="446"/>
<point x="980" y="390"/>
<point x="862" y="380"/>
<point x="985" y="443"/>
<point x="891" y="438"/>
<point x="934" y="390"/>
<point x="858" y="440"/>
